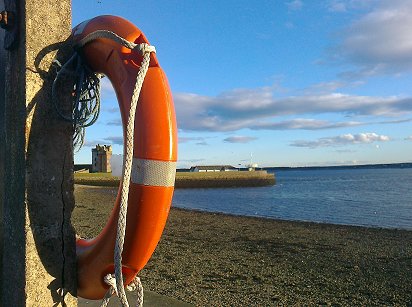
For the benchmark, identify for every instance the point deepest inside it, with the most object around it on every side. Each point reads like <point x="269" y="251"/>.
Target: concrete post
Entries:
<point x="39" y="260"/>
<point x="2" y="137"/>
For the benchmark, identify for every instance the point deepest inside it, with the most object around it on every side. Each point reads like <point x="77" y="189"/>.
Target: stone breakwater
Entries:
<point x="193" y="179"/>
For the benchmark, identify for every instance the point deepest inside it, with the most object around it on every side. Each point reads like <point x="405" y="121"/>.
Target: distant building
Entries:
<point x="101" y="159"/>
<point x="213" y="168"/>
<point x="252" y="167"/>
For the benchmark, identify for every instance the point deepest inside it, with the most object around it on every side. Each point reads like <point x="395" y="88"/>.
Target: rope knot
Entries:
<point x="110" y="280"/>
<point x="145" y="48"/>
<point x="134" y="284"/>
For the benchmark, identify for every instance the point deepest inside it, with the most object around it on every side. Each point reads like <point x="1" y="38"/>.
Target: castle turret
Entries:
<point x="101" y="159"/>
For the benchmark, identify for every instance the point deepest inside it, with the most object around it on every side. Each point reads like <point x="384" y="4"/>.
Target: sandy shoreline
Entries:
<point x="222" y="260"/>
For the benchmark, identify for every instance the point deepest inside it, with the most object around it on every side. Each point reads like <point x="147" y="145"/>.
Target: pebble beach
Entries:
<point x="211" y="259"/>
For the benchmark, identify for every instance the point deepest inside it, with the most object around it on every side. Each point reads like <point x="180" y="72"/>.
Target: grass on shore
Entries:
<point x="97" y="179"/>
<point x="189" y="179"/>
<point x="93" y="175"/>
<point x="221" y="175"/>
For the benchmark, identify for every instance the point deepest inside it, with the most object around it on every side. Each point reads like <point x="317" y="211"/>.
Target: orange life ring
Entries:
<point x="154" y="156"/>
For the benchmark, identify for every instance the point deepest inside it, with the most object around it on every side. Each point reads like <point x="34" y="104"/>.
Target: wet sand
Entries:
<point x="223" y="260"/>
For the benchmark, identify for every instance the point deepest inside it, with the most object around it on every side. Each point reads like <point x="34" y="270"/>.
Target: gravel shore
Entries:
<point x="222" y="260"/>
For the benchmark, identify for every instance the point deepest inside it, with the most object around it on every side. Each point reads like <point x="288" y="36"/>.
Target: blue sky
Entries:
<point x="292" y="83"/>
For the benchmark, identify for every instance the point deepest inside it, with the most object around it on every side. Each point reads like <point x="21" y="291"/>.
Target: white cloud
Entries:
<point x="303" y="123"/>
<point x="111" y="140"/>
<point x="328" y="87"/>
<point x="185" y="139"/>
<point x="92" y="143"/>
<point x="397" y="121"/>
<point x="409" y="138"/>
<point x="260" y="109"/>
<point x="380" y="42"/>
<point x="107" y="93"/>
<point x="294" y="5"/>
<point x="346" y="5"/>
<point x="239" y="139"/>
<point x="115" y="122"/>
<point x="337" y="6"/>
<point x="342" y="140"/>
<point x="197" y="140"/>
<point x="289" y="25"/>
<point x="202" y="143"/>
<point x="345" y="151"/>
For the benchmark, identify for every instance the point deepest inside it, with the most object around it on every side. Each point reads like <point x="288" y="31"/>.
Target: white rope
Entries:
<point x="127" y="170"/>
<point x="135" y="285"/>
<point x="110" y="280"/>
<point x="143" y="48"/>
<point x="116" y="284"/>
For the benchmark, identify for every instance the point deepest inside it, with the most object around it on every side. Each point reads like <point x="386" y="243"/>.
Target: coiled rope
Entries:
<point x="86" y="97"/>
<point x="116" y="283"/>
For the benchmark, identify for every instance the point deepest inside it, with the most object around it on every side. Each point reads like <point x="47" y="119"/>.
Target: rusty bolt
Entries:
<point x="6" y="19"/>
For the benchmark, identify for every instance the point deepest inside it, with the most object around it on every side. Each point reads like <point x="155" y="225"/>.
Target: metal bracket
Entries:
<point x="9" y="22"/>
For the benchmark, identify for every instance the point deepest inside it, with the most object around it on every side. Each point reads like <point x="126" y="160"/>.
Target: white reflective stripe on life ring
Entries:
<point x="153" y="172"/>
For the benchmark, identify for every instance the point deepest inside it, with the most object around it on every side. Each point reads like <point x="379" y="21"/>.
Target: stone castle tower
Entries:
<point x="101" y="159"/>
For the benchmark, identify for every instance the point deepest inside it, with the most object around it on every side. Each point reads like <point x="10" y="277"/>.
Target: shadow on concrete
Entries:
<point x="49" y="175"/>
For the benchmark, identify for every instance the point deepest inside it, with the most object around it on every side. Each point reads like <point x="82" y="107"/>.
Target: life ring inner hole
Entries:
<point x="96" y="182"/>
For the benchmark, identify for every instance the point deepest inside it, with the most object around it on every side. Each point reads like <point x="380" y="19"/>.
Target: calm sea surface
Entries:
<point x="366" y="197"/>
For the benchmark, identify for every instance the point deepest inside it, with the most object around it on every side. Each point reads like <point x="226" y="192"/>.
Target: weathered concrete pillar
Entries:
<point x="2" y="137"/>
<point x="38" y="267"/>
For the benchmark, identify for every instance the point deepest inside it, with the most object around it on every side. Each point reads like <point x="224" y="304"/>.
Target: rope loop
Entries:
<point x="104" y="34"/>
<point x="135" y="285"/>
<point x="99" y="34"/>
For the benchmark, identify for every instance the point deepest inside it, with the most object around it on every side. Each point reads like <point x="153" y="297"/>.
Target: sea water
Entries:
<point x="363" y="197"/>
